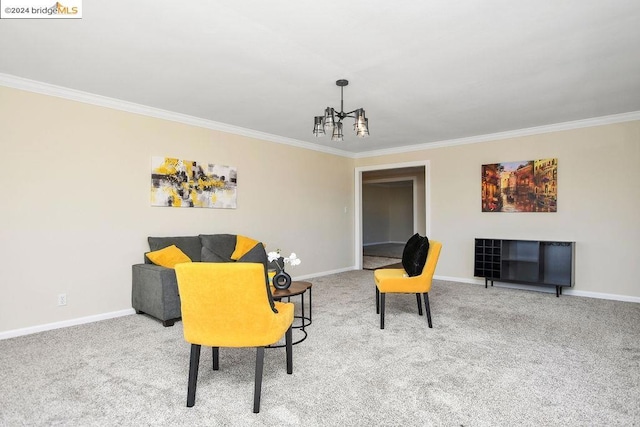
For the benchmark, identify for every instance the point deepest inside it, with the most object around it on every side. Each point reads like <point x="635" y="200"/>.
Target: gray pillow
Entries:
<point x="257" y="254"/>
<point x="210" y="256"/>
<point x="219" y="246"/>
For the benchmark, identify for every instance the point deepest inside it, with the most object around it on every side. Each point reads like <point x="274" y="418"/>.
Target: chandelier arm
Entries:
<point x="342" y="115"/>
<point x="351" y="112"/>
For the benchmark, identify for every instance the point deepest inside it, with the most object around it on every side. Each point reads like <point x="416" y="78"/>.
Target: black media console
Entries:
<point x="530" y="262"/>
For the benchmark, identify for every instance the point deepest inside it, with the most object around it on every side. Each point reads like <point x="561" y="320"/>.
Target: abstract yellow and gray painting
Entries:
<point x="187" y="183"/>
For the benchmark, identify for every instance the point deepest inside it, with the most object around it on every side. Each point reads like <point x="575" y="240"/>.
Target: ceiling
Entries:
<point x="425" y="71"/>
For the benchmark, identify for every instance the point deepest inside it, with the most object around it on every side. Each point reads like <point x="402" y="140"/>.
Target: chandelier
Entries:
<point x="331" y="122"/>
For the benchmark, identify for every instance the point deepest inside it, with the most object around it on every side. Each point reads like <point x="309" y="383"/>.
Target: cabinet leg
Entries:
<point x="558" y="291"/>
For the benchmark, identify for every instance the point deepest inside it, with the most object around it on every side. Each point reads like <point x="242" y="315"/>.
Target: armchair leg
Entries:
<point x="258" y="382"/>
<point x="288" y="337"/>
<point x="382" y="295"/>
<point x="427" y="309"/>
<point x="377" y="300"/>
<point x="216" y="358"/>
<point x="193" y="374"/>
<point x="419" y="304"/>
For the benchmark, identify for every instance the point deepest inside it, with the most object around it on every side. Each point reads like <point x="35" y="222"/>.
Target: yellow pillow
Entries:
<point x="168" y="257"/>
<point x="243" y="245"/>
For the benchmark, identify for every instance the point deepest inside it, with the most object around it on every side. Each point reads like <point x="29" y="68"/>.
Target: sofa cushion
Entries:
<point x="414" y="255"/>
<point x="190" y="245"/>
<point x="168" y="257"/>
<point x="219" y="247"/>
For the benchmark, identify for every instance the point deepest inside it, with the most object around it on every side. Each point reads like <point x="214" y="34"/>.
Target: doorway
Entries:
<point x="391" y="204"/>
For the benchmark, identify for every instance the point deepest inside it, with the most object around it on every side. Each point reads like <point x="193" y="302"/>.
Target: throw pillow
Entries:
<point x="208" y="255"/>
<point x="414" y="255"/>
<point x="222" y="245"/>
<point x="190" y="245"/>
<point x="168" y="257"/>
<point x="243" y="245"/>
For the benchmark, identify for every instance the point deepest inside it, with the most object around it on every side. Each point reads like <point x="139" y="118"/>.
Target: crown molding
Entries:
<point x="130" y="107"/>
<point x="576" y="124"/>
<point x="117" y="104"/>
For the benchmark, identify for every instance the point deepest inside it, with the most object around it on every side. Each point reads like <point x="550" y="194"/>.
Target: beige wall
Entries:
<point x="387" y="213"/>
<point x="375" y="214"/>
<point x="76" y="212"/>
<point x="400" y="213"/>
<point x="598" y="202"/>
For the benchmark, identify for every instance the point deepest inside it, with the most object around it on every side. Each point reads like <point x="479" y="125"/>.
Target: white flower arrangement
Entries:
<point x="292" y="259"/>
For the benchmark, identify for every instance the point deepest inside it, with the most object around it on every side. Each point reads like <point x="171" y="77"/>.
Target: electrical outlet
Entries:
<point x="62" y="299"/>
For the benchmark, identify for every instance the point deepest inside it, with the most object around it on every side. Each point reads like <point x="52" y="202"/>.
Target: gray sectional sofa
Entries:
<point x="154" y="289"/>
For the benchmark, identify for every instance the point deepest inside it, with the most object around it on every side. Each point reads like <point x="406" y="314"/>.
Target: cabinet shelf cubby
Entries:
<point x="531" y="262"/>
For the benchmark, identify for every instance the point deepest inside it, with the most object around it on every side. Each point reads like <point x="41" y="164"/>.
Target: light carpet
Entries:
<point x="495" y="357"/>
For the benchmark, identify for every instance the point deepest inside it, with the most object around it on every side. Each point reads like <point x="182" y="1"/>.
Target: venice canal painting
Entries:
<point x="525" y="186"/>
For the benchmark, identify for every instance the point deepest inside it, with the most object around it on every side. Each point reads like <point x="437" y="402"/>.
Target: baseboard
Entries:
<point x="374" y="243"/>
<point x="459" y="279"/>
<point x="600" y="295"/>
<point x="545" y="289"/>
<point x="324" y="273"/>
<point x="384" y="243"/>
<point x="98" y="317"/>
<point x="65" y="323"/>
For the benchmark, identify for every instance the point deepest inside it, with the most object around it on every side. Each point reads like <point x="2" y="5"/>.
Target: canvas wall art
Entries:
<point x="187" y="183"/>
<point x="526" y="186"/>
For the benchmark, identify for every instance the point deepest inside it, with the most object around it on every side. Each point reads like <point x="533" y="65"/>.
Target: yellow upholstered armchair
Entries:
<point x="395" y="280"/>
<point x="228" y="305"/>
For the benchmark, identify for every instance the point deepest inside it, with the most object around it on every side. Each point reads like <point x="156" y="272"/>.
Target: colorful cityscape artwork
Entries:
<point x="526" y="186"/>
<point x="186" y="183"/>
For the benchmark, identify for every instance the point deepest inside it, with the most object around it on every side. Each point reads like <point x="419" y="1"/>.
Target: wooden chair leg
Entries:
<point x="419" y="304"/>
<point x="288" y="337"/>
<point x="377" y="300"/>
<point x="382" y="295"/>
<point x="193" y="374"/>
<point x="258" y="382"/>
<point x="216" y="358"/>
<point x="427" y="309"/>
